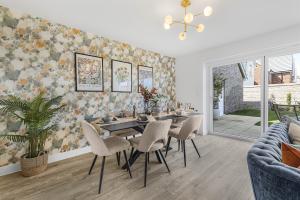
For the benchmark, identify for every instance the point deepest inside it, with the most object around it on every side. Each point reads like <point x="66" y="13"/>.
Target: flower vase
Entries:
<point x="146" y="107"/>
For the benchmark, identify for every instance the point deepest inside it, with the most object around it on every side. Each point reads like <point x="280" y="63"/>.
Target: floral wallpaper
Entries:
<point x="36" y="55"/>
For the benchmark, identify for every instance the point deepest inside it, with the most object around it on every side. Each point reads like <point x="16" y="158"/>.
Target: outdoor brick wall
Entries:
<point x="233" y="100"/>
<point x="257" y="74"/>
<point x="278" y="78"/>
<point x="278" y="91"/>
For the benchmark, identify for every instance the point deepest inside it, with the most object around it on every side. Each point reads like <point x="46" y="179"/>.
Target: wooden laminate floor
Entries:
<point x="220" y="174"/>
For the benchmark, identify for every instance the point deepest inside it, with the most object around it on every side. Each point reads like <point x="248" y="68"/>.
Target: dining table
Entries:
<point x="139" y="126"/>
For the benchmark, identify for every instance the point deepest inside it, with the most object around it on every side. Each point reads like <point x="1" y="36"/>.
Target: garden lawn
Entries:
<point x="256" y="113"/>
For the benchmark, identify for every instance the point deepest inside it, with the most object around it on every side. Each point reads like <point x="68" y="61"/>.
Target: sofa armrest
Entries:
<point x="287" y="120"/>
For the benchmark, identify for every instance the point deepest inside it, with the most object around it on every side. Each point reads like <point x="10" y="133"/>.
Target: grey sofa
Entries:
<point x="271" y="179"/>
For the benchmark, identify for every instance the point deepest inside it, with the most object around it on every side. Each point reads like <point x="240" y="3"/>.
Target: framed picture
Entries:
<point x="121" y="76"/>
<point x="145" y="77"/>
<point x="88" y="73"/>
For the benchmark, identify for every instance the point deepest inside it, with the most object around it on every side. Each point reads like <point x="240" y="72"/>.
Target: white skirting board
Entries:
<point x="52" y="158"/>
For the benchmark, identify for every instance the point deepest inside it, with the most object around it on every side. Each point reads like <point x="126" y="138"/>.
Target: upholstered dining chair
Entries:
<point x="186" y="132"/>
<point x="104" y="147"/>
<point x="178" y="124"/>
<point x="153" y="139"/>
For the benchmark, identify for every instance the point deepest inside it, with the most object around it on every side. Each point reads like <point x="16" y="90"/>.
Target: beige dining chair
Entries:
<point x="104" y="147"/>
<point x="177" y="123"/>
<point x="153" y="139"/>
<point x="186" y="132"/>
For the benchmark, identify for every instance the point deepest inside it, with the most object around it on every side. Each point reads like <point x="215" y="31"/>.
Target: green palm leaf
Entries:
<point x="15" y="138"/>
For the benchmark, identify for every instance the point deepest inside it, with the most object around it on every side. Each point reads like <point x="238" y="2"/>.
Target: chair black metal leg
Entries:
<point x="184" y="152"/>
<point x="158" y="157"/>
<point x="164" y="160"/>
<point x="118" y="158"/>
<point x="178" y="144"/>
<point x="101" y="174"/>
<point x="196" y="148"/>
<point x="146" y="166"/>
<point x="128" y="165"/>
<point x="167" y="147"/>
<point x="131" y="153"/>
<point x="93" y="163"/>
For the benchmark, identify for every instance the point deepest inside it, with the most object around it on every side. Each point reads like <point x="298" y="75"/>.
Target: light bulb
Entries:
<point x="200" y="28"/>
<point x="182" y="36"/>
<point x="168" y="19"/>
<point x="188" y="18"/>
<point x="207" y="11"/>
<point x="167" y="26"/>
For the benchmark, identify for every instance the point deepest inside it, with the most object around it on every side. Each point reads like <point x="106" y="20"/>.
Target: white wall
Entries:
<point x="193" y="70"/>
<point x="189" y="79"/>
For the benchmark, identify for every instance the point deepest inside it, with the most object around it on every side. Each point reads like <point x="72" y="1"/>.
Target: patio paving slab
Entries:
<point x="237" y="125"/>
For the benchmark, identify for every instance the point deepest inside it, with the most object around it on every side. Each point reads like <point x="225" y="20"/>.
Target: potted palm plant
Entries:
<point x="218" y="87"/>
<point x="37" y="116"/>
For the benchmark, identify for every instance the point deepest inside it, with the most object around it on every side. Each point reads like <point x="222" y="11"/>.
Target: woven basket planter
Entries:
<point x="34" y="166"/>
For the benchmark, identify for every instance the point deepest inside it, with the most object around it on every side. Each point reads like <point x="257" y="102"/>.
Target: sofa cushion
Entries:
<point x="294" y="133"/>
<point x="290" y="155"/>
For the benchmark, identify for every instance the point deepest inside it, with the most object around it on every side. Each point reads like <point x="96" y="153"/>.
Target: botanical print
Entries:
<point x="37" y="55"/>
<point x="121" y="76"/>
<point x="145" y="75"/>
<point x="89" y="73"/>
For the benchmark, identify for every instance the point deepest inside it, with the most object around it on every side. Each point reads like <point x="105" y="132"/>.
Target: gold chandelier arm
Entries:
<point x="185" y="24"/>
<point x="177" y="22"/>
<point x="199" y="14"/>
<point x="192" y="25"/>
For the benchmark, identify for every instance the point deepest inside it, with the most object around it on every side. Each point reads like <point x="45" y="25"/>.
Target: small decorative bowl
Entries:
<point x="107" y="119"/>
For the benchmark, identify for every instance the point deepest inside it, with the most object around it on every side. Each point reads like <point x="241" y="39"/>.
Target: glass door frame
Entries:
<point x="263" y="93"/>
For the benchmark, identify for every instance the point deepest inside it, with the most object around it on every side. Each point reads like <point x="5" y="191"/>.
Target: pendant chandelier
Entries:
<point x="187" y="19"/>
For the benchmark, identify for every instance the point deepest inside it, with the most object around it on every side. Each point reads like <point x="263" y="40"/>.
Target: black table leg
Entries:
<point x="132" y="159"/>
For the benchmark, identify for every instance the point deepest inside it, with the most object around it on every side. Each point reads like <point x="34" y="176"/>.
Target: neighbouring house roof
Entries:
<point x="242" y="70"/>
<point x="281" y="63"/>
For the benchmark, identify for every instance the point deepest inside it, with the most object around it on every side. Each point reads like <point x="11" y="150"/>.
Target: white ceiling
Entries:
<point x="140" y="22"/>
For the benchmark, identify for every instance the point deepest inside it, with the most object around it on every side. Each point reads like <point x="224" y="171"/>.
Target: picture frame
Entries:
<point x="145" y="76"/>
<point x="121" y="76"/>
<point x="88" y="73"/>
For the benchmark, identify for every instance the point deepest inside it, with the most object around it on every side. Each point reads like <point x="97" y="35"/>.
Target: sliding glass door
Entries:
<point x="237" y="99"/>
<point x="250" y="95"/>
<point x="283" y="72"/>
